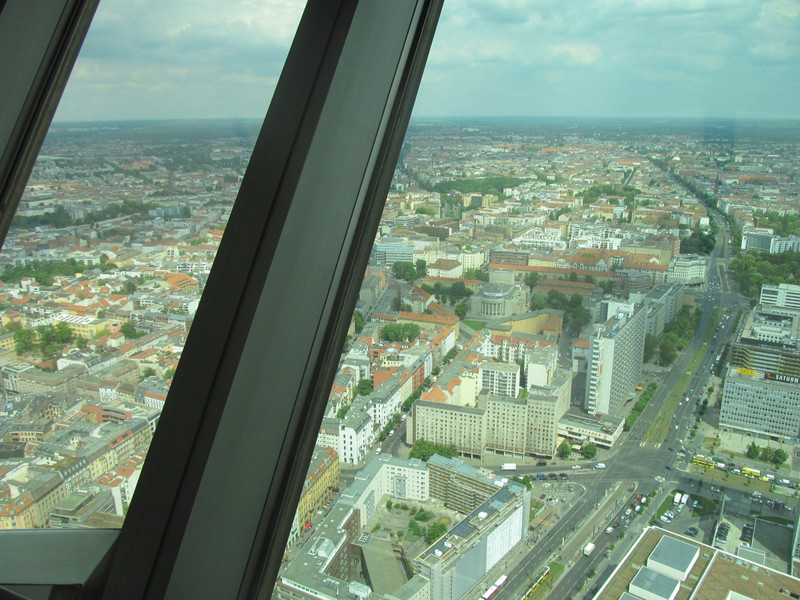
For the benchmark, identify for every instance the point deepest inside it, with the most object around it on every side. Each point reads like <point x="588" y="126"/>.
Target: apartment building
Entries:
<point x="499" y="379"/>
<point x="614" y="362"/>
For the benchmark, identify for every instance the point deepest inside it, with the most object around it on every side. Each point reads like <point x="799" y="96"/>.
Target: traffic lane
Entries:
<point x="544" y="550"/>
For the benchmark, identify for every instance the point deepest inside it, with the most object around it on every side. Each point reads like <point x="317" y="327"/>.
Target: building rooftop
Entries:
<point x="464" y="531"/>
<point x="674" y="554"/>
<point x="657" y="584"/>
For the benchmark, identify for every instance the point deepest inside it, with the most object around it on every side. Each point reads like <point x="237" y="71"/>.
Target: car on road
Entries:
<point x="609" y="529"/>
<point x="668" y="468"/>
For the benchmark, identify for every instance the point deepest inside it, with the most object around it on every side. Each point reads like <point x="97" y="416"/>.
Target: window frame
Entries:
<point x="176" y="541"/>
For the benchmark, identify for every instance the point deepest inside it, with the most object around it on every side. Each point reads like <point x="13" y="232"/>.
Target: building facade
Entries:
<point x="761" y="402"/>
<point x="614" y="362"/>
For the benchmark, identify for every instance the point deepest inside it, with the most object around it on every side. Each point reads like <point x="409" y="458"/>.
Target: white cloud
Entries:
<point x="207" y="58"/>
<point x="575" y="53"/>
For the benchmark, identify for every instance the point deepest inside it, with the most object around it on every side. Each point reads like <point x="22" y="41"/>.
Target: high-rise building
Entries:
<point x="615" y="361"/>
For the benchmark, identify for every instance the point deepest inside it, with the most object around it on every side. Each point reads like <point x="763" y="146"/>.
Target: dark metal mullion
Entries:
<point x="152" y="533"/>
<point x="387" y="143"/>
<point x="19" y="151"/>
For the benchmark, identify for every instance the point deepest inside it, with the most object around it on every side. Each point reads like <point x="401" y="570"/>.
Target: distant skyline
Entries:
<point x="594" y="58"/>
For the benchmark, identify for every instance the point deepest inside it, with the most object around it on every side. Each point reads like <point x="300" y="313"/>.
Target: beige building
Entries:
<point x="525" y="426"/>
<point x="321" y="481"/>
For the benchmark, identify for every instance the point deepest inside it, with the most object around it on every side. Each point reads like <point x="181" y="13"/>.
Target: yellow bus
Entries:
<point x="703" y="461"/>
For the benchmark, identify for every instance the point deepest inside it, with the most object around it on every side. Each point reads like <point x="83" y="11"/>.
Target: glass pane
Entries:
<point x="545" y="307"/>
<point x="113" y="241"/>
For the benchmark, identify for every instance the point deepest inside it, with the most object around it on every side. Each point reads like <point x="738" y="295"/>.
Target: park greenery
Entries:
<point x="61" y="218"/>
<point x="781" y="224"/>
<point x="45" y="271"/>
<point x="677" y="334"/>
<point x="476" y="274"/>
<point x="424" y="450"/>
<point x="46" y="341"/>
<point x="754" y="268"/>
<point x="640" y="405"/>
<point x="775" y="456"/>
<point x="650" y="345"/>
<point x="448" y="294"/>
<point x="627" y="193"/>
<point x="699" y="242"/>
<point x="409" y="271"/>
<point x="483" y="185"/>
<point x="461" y="310"/>
<point x="399" y="332"/>
<point x="575" y="314"/>
<point x="128" y="329"/>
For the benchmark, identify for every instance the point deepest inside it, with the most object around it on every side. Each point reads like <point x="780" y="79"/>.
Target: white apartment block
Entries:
<point x="356" y="433"/>
<point x="499" y="379"/>
<point x="689" y="269"/>
<point x="472" y="259"/>
<point x="386" y="475"/>
<point x="615" y="362"/>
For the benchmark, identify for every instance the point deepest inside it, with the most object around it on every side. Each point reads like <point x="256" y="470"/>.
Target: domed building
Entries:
<point x="496" y="300"/>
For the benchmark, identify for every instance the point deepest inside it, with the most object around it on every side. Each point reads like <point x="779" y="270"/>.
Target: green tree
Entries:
<point x="24" y="341"/>
<point x="12" y="326"/>
<point x="666" y="351"/>
<point x="128" y="329"/>
<point x="147" y="372"/>
<point x="753" y="451"/>
<point x="421" y="268"/>
<point x="397" y="303"/>
<point x="358" y="321"/>
<point x="531" y="279"/>
<point x="779" y="456"/>
<point x="363" y="388"/>
<point x="461" y="310"/>
<point x="564" y="450"/>
<point x="476" y="274"/>
<point x="424" y="450"/>
<point x="62" y="333"/>
<point x="434" y="532"/>
<point x="590" y="451"/>
<point x="405" y="270"/>
<point x="650" y="344"/>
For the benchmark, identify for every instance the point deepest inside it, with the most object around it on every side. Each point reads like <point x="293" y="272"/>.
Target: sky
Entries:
<point x="157" y="59"/>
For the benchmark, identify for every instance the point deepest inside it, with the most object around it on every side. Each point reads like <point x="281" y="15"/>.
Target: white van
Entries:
<point x="600" y="466"/>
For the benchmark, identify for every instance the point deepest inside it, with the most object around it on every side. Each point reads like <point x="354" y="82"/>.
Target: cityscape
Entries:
<point x="575" y="351"/>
